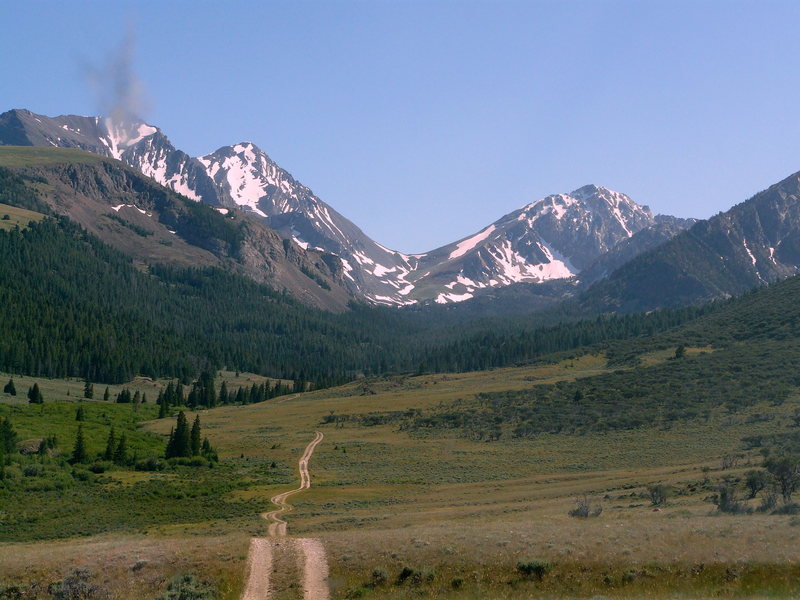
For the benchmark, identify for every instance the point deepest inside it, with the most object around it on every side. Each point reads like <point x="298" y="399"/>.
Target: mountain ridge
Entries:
<point x="552" y="238"/>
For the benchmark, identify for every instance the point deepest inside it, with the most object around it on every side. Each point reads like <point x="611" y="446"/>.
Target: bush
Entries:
<point x="413" y="576"/>
<point x="99" y="467"/>
<point x="149" y="464"/>
<point x="33" y="470"/>
<point x="727" y="500"/>
<point x="756" y="481"/>
<point x="379" y="577"/>
<point x="658" y="494"/>
<point x="788" y="509"/>
<point x="769" y="500"/>
<point x="188" y="587"/>
<point x="534" y="569"/>
<point x="77" y="586"/>
<point x="584" y="509"/>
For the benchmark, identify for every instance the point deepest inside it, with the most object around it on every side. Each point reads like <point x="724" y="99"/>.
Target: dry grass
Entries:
<point x="469" y="511"/>
<point x="131" y="567"/>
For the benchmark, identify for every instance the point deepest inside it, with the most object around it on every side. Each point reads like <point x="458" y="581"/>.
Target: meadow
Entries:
<point x="415" y="513"/>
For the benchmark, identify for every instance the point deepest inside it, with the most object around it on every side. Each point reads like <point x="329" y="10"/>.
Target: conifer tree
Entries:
<point x="179" y="444"/>
<point x="121" y="451"/>
<point x="35" y="395"/>
<point x="111" y="445"/>
<point x="8" y="437"/>
<point x="170" y="451"/>
<point x="107" y="395"/>
<point x="162" y="405"/>
<point x="79" y="450"/>
<point x="179" y="395"/>
<point x="80" y="415"/>
<point x="223" y="394"/>
<point x="88" y="390"/>
<point x="10" y="388"/>
<point x="194" y="437"/>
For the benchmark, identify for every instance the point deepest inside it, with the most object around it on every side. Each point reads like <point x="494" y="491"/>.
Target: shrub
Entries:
<point x="33" y="470"/>
<point x="149" y="464"/>
<point x="788" y="509"/>
<point x="411" y="575"/>
<point x="379" y="577"/>
<point x="77" y="586"/>
<point x="658" y="494"/>
<point x="727" y="499"/>
<point x="769" y="500"/>
<point x="534" y="569"/>
<point x="188" y="587"/>
<point x="584" y="509"/>
<point x="756" y="481"/>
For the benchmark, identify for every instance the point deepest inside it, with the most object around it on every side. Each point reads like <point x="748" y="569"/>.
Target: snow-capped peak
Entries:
<point x="121" y="135"/>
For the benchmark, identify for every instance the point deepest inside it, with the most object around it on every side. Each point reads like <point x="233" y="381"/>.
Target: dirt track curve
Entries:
<point x="313" y="562"/>
<point x="277" y="528"/>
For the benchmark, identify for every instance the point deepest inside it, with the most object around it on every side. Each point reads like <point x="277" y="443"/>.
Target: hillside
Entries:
<point x="754" y="243"/>
<point x="154" y="225"/>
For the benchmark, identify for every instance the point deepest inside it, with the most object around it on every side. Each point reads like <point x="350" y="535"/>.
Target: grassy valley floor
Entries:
<point x="415" y="513"/>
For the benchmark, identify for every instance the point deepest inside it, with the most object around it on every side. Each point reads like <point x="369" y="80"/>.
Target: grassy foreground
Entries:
<point x="410" y="514"/>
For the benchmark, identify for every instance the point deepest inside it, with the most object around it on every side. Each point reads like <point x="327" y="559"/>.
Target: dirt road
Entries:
<point x="313" y="562"/>
<point x="277" y="527"/>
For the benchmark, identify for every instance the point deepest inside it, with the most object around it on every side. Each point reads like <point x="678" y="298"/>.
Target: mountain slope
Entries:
<point x="154" y="225"/>
<point x="553" y="238"/>
<point x="755" y="242"/>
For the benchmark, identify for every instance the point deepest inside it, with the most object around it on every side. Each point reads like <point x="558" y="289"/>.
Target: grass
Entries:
<point x="463" y="513"/>
<point x="17" y="217"/>
<point x="27" y="156"/>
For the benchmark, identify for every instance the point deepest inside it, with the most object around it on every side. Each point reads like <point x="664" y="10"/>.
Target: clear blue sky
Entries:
<point x="424" y="121"/>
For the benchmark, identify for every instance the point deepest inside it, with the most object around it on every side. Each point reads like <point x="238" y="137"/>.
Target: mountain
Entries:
<point x="153" y="225"/>
<point x="755" y="242"/>
<point x="553" y="238"/>
<point x="664" y="228"/>
<point x="556" y="237"/>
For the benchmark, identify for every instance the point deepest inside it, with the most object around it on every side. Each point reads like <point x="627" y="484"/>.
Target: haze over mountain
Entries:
<point x="553" y="238"/>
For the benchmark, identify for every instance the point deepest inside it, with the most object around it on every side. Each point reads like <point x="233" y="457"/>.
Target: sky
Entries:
<point x="423" y="122"/>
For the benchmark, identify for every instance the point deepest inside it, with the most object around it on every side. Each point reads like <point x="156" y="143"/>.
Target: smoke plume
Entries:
<point x="119" y="93"/>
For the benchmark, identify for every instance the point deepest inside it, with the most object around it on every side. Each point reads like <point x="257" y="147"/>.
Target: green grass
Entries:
<point x="27" y="156"/>
<point x="17" y="217"/>
<point x="44" y="497"/>
<point x="456" y="509"/>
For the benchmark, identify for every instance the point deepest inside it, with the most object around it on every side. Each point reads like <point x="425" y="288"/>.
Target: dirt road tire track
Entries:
<point x="313" y="562"/>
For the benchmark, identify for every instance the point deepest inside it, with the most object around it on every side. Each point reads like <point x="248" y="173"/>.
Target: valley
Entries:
<point x="404" y="513"/>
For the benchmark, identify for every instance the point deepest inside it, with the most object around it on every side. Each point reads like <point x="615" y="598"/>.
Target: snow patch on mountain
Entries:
<point x="468" y="244"/>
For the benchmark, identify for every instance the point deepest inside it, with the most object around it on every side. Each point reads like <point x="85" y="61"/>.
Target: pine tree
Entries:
<point x="223" y="394"/>
<point x="8" y="437"/>
<point x="35" y="395"/>
<point x="80" y="415"/>
<point x="79" y="450"/>
<point x="162" y="405"/>
<point x="107" y="395"/>
<point x="194" y="437"/>
<point x="111" y="445"/>
<point x="88" y="390"/>
<point x="179" y="395"/>
<point x="179" y="444"/>
<point x="10" y="388"/>
<point x="121" y="451"/>
<point x="170" y="451"/>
